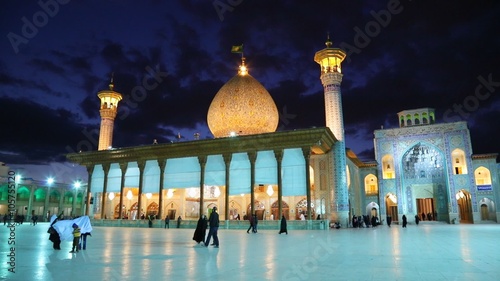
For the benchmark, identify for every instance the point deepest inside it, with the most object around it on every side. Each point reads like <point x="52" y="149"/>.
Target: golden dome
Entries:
<point x="242" y="107"/>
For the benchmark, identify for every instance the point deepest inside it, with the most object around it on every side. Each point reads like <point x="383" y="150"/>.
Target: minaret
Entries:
<point x="109" y="108"/>
<point x="331" y="77"/>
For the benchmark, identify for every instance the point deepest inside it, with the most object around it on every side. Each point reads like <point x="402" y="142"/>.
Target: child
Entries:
<point x="76" y="238"/>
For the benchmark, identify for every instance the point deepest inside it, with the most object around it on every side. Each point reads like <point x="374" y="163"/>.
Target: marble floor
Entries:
<point x="424" y="252"/>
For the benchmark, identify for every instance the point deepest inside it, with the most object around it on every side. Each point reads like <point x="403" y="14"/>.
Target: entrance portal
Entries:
<point x="425" y="209"/>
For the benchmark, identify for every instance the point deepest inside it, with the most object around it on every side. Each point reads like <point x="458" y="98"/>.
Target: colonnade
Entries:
<point x="202" y="160"/>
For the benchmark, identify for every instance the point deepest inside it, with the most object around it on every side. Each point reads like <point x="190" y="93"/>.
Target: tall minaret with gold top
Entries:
<point x="109" y="108"/>
<point x="329" y="60"/>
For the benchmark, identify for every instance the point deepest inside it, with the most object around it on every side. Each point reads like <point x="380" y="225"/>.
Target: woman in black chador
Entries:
<point x="283" y="225"/>
<point x="54" y="236"/>
<point x="404" y="221"/>
<point x="201" y="228"/>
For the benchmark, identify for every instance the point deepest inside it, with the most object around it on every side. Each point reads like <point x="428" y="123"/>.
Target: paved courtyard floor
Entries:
<point x="424" y="252"/>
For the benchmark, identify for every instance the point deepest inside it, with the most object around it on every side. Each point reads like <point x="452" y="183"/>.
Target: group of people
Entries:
<point x="167" y="222"/>
<point x="213" y="224"/>
<point x="75" y="230"/>
<point x="201" y="227"/>
<point x="365" y="221"/>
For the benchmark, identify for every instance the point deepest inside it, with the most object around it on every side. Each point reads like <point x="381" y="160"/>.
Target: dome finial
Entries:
<point x="111" y="86"/>
<point x="328" y="42"/>
<point x="243" y="68"/>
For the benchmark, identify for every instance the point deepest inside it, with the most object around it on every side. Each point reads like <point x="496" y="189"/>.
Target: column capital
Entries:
<point x="141" y="164"/>
<point x="278" y="154"/>
<point x="227" y="157"/>
<point x="123" y="166"/>
<point x="90" y="169"/>
<point x="202" y="159"/>
<point x="162" y="164"/>
<point x="252" y="156"/>
<point x="106" y="167"/>
<point x="306" y="151"/>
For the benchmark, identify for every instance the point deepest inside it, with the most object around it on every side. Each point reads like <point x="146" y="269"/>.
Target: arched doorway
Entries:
<point x="391" y="205"/>
<point x="301" y="208"/>
<point x="234" y="210"/>
<point x="152" y="210"/>
<point x="285" y="210"/>
<point x="259" y="209"/>
<point x="488" y="210"/>
<point x="171" y="210"/>
<point x="116" y="214"/>
<point x="372" y="210"/>
<point x="133" y="215"/>
<point x="464" y="206"/>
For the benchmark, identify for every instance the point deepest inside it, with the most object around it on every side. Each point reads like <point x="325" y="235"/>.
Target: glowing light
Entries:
<point x="217" y="192"/>
<point x="50" y="181"/>
<point x="111" y="196"/>
<point x="191" y="192"/>
<point x="149" y="195"/>
<point x="77" y="184"/>
<point x="270" y="190"/>
<point x="243" y="70"/>
<point x="130" y="195"/>
<point x="170" y="193"/>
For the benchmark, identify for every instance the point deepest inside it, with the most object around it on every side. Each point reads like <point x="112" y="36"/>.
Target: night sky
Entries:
<point x="169" y="59"/>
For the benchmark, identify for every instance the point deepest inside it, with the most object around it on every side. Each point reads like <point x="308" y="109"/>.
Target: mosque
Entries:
<point x="423" y="168"/>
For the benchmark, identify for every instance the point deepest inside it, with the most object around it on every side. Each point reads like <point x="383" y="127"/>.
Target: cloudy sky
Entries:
<point x="405" y="54"/>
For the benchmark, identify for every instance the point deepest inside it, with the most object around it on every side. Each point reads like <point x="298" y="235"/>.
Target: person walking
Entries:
<point x="404" y="221"/>
<point x="179" y="219"/>
<point x="389" y="220"/>
<point x="255" y="223"/>
<point x="283" y="225"/>
<point x="214" y="227"/>
<point x="250" y="219"/>
<point x="417" y="219"/>
<point x="167" y="222"/>
<point x="201" y="228"/>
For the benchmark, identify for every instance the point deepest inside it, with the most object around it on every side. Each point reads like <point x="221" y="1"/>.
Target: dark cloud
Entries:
<point x="43" y="135"/>
<point x="429" y="54"/>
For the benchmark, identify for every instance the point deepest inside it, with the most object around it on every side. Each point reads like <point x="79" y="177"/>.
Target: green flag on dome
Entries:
<point x="237" y="49"/>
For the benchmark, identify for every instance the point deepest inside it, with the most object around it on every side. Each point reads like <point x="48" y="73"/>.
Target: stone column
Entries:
<point x="227" y="162"/>
<point x="162" y="164"/>
<point x="105" y="167"/>
<point x="30" y="203"/>
<point x="278" y="153"/>
<point x="123" y="168"/>
<point x="88" y="191"/>
<point x="307" y="157"/>
<point x="252" y="156"/>
<point x="141" y="165"/>
<point x="203" y="161"/>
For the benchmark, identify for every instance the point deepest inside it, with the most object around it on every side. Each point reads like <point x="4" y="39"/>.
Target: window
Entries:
<point x="388" y="167"/>
<point x="371" y="185"/>
<point x="459" y="164"/>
